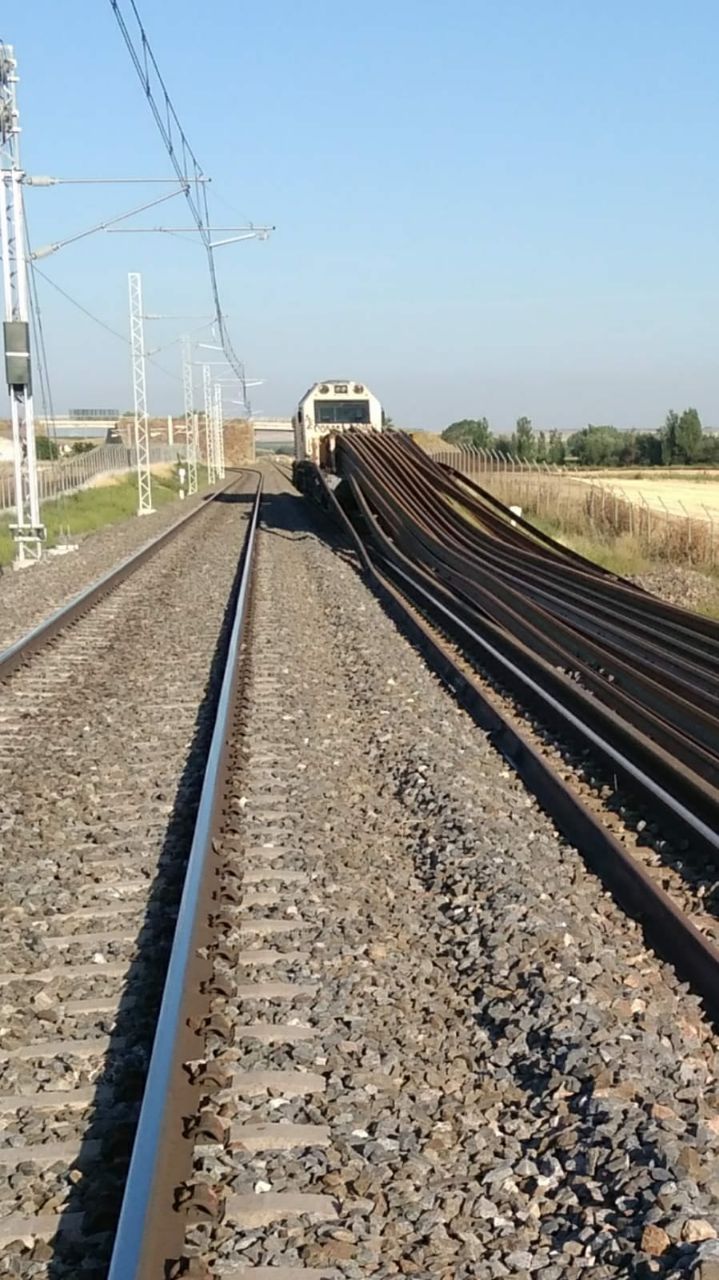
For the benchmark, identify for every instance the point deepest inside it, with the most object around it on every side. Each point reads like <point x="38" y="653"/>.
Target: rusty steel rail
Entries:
<point x="33" y="641"/>
<point x="663" y="717"/>
<point x="152" y="1224"/>
<point x="427" y="611"/>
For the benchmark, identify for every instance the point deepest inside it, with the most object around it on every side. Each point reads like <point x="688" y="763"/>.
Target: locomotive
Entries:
<point x="327" y="410"/>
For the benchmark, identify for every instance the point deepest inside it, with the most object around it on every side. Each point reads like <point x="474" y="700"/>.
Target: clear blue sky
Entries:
<point x="482" y="208"/>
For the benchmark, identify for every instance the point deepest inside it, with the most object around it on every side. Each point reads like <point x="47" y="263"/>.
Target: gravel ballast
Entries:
<point x="679" y="584"/>
<point x="103" y="748"/>
<point x="27" y="596"/>
<point x="506" y="1081"/>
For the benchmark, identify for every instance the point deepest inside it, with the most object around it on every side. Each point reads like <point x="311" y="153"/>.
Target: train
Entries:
<point x="327" y="410"/>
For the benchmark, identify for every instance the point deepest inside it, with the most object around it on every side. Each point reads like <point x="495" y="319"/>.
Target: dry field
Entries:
<point x="680" y="497"/>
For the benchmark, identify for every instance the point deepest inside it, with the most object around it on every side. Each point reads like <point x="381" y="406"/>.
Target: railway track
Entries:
<point x="328" y="1109"/>
<point x="32" y="641"/>
<point x="382" y="1045"/>
<point x="105" y="716"/>
<point x="624" y="678"/>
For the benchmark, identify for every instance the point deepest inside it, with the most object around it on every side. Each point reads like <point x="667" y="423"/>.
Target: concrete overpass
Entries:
<point x="272" y="432"/>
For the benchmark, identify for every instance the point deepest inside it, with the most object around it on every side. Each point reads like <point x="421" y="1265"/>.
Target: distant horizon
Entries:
<point x="6" y="425"/>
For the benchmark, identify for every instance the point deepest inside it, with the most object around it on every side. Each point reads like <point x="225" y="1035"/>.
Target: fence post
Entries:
<point x="648" y="511"/>
<point x="630" y="511"/>
<point x="688" y="528"/>
<point x="667" y="524"/>
<point x="710" y="521"/>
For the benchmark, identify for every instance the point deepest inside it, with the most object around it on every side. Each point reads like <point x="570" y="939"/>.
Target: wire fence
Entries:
<point x="602" y="510"/>
<point x="71" y="474"/>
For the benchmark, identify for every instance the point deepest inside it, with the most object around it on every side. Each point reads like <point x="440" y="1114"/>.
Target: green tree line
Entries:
<point x="681" y="441"/>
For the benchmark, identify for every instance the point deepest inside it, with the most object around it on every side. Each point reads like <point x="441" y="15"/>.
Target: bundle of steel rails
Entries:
<point x="640" y="673"/>
<point x="573" y="671"/>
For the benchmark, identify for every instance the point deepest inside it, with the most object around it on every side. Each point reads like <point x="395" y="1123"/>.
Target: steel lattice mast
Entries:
<point x="28" y="531"/>
<point x="219" y="425"/>
<point x="190" y="416"/>
<point x="209" y="429"/>
<point x="142" y="431"/>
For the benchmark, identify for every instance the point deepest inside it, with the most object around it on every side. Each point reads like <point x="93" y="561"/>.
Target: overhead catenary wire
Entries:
<point x="43" y="365"/>
<point x="102" y="323"/>
<point x="182" y="157"/>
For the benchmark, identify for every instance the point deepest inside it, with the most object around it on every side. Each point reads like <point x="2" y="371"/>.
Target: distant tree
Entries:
<point x="473" y="431"/>
<point x="504" y="445"/>
<point x="596" y="446"/>
<point x="45" y="449"/>
<point x="669" y="436"/>
<point x="542" y="448"/>
<point x="649" y="449"/>
<point x="556" y="451"/>
<point x="682" y="437"/>
<point x="689" y="436"/>
<point x="525" y="446"/>
<point x="387" y="422"/>
<point x="710" y="449"/>
<point x="628" y="449"/>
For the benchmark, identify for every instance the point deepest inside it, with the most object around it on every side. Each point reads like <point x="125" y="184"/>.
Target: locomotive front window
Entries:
<point x="341" y="412"/>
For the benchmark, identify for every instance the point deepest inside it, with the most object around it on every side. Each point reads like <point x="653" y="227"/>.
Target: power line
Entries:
<point x="182" y="157"/>
<point x="46" y="391"/>
<point x="96" y="320"/>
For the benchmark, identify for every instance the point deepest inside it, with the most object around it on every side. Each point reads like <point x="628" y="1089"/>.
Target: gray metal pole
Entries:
<point x="28" y="531"/>
<point x="142" y="430"/>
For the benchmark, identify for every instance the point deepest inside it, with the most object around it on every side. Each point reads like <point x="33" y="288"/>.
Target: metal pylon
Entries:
<point x="142" y="430"/>
<point x="28" y="530"/>
<point x="219" y="426"/>
<point x="209" y="425"/>
<point x="190" y="416"/>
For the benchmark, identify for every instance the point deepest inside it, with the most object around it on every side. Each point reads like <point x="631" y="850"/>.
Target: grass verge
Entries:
<point x="622" y="555"/>
<point x="90" y="509"/>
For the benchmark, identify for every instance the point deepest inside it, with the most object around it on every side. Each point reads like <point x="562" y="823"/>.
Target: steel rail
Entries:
<point x="688" y="794"/>
<point x="33" y="641"/>
<point x="681" y="703"/>
<point x="517" y="557"/>
<point x="148" y="1231"/>
<point x="633" y="596"/>
<point x="671" y="932"/>
<point x="686" y="736"/>
<point x="519" y="561"/>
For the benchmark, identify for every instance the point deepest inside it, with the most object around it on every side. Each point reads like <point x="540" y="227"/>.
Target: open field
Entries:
<point x="679" y="496"/>
<point x="669" y="518"/>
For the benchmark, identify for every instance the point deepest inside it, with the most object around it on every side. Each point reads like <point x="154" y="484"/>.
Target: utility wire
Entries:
<point x="183" y="159"/>
<point x="96" y="319"/>
<point x="46" y="397"/>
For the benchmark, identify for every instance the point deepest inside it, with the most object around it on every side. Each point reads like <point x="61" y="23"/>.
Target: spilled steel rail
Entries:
<point x="428" y="609"/>
<point x="654" y="700"/>
<point x="148" y="1231"/>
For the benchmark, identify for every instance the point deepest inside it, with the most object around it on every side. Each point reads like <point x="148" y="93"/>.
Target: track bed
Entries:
<point x="435" y="1046"/>
<point x="103" y="741"/>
